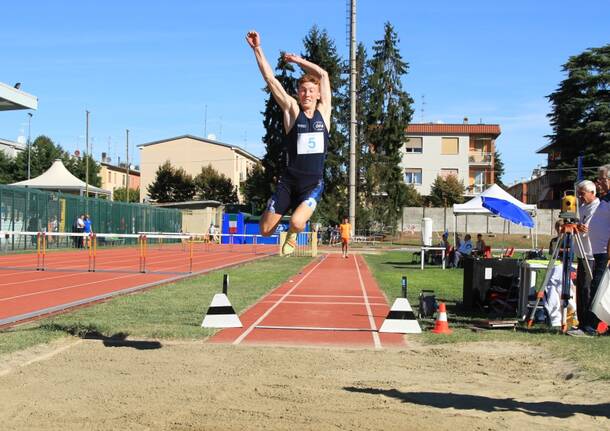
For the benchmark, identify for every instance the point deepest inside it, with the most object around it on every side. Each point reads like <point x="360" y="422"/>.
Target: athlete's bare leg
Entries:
<point x="269" y="222"/>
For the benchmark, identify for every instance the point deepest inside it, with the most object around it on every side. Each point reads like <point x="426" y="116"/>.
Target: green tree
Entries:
<point x="321" y="50"/>
<point x="412" y="197"/>
<point x="119" y="194"/>
<point x="78" y="167"/>
<point x="446" y="192"/>
<point x="171" y="185"/>
<point x="254" y="189"/>
<point x="580" y="114"/>
<point x="6" y="169"/>
<point x="43" y="152"/>
<point x="498" y="169"/>
<point x="212" y="185"/>
<point x="388" y="113"/>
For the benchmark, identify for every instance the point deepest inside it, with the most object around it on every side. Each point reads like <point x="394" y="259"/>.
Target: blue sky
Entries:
<point x="153" y="67"/>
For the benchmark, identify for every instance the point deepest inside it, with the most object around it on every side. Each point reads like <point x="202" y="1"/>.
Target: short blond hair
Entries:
<point x="308" y="78"/>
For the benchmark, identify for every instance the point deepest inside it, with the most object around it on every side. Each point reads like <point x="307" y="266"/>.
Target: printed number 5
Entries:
<point x="311" y="143"/>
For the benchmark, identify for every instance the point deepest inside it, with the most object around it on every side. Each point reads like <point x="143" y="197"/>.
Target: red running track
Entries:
<point x="333" y="302"/>
<point x="26" y="293"/>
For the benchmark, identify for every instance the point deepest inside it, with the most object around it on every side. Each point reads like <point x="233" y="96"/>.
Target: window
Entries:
<point x="413" y="145"/>
<point x="413" y="176"/>
<point x="109" y="177"/>
<point x="448" y="172"/>
<point x="479" y="177"/>
<point x="450" y="146"/>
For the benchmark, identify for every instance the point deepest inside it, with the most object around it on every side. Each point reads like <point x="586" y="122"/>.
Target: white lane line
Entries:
<point x="314" y="328"/>
<point x="327" y="296"/>
<point x="278" y="302"/>
<point x="326" y="303"/>
<point x="376" y="339"/>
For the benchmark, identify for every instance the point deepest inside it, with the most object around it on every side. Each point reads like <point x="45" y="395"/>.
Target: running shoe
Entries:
<point x="290" y="244"/>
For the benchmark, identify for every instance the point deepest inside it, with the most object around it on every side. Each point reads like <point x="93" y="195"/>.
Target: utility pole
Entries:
<point x="29" y="141"/>
<point x="352" y="121"/>
<point x="127" y="165"/>
<point x="87" y="156"/>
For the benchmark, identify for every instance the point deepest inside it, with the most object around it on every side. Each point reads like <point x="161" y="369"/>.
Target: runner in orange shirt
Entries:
<point x="346" y="230"/>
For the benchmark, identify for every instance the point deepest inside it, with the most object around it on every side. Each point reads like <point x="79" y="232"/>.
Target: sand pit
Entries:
<point x="193" y="386"/>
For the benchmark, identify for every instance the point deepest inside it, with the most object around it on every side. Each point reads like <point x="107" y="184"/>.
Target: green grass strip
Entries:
<point x="388" y="268"/>
<point x="172" y="311"/>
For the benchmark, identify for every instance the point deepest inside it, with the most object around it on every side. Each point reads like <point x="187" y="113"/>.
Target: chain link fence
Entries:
<point x="30" y="210"/>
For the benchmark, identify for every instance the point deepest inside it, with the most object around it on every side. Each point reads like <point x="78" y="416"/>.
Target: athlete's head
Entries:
<point x="308" y="91"/>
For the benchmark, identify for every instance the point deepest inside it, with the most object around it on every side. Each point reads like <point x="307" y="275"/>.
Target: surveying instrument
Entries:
<point x="568" y="238"/>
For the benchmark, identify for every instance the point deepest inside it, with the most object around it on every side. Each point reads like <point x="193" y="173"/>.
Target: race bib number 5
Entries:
<point x="310" y="143"/>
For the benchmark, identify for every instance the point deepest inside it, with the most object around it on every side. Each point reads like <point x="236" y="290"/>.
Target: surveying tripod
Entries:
<point x="568" y="236"/>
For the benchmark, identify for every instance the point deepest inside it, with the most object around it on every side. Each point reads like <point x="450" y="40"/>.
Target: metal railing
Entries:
<point x="479" y="157"/>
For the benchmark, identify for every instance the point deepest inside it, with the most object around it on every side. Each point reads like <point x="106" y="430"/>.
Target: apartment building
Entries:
<point x="193" y="153"/>
<point x="463" y="150"/>
<point x="115" y="177"/>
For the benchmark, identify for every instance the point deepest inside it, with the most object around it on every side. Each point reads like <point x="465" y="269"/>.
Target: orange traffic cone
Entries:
<point x="441" y="326"/>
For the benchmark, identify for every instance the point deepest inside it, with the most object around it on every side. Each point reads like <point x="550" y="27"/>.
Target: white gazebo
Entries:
<point x="58" y="178"/>
<point x="475" y="207"/>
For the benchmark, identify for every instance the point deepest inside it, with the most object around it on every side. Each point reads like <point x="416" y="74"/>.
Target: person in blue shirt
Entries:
<point x="465" y="249"/>
<point x="306" y="128"/>
<point x="87" y="230"/>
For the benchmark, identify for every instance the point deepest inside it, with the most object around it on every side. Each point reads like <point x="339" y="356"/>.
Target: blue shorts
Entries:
<point x="292" y="192"/>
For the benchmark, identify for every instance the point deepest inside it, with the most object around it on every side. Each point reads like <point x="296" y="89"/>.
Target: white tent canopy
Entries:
<point x="58" y="178"/>
<point x="475" y="205"/>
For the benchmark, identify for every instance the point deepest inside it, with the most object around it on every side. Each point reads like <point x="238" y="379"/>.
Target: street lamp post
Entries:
<point x="87" y="155"/>
<point x="29" y="141"/>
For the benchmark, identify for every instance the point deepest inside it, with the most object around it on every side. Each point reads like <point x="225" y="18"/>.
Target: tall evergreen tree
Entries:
<point x="387" y="115"/>
<point x="498" y="169"/>
<point x="580" y="115"/>
<point x="321" y="50"/>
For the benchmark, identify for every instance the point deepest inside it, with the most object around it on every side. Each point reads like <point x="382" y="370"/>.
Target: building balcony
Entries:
<point x="476" y="189"/>
<point x="480" y="158"/>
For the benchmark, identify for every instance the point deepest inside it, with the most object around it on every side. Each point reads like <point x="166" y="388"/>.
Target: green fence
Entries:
<point x="30" y="210"/>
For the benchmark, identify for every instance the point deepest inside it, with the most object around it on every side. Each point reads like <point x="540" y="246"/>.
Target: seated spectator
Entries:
<point x="480" y="245"/>
<point x="465" y="249"/>
<point x="447" y="246"/>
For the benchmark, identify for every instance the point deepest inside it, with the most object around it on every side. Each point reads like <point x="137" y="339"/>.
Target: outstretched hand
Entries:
<point x="253" y="39"/>
<point x="291" y="58"/>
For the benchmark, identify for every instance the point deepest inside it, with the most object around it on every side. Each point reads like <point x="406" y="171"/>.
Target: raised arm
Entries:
<point x="286" y="102"/>
<point x="324" y="105"/>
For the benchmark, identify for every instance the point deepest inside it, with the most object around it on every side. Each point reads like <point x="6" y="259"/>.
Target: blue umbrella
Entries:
<point x="507" y="210"/>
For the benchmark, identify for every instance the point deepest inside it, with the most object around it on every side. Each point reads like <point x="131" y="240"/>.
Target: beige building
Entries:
<point x="193" y="153"/>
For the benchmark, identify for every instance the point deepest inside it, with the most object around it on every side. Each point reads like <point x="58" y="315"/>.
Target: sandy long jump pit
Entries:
<point x="148" y="385"/>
